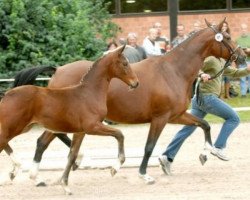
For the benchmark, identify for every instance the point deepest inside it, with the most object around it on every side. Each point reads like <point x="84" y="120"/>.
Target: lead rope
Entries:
<point x="197" y="86"/>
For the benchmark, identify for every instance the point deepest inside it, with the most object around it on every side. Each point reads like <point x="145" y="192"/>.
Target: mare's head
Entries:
<point x="119" y="67"/>
<point x="223" y="46"/>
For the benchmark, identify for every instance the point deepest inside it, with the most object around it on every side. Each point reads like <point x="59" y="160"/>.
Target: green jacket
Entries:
<point x="212" y="66"/>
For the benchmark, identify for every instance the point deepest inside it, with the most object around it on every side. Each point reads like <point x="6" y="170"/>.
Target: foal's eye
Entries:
<point x="125" y="63"/>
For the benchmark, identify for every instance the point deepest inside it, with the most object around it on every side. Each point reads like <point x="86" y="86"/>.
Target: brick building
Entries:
<point x="139" y="21"/>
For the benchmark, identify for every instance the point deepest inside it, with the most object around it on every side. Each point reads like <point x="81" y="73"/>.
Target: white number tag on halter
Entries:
<point x="218" y="37"/>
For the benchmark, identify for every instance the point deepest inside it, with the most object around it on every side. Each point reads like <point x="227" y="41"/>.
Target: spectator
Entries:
<point x="151" y="47"/>
<point x="112" y="45"/>
<point x="129" y="52"/>
<point x="244" y="42"/>
<point x="132" y="54"/>
<point x="132" y="41"/>
<point x="181" y="36"/>
<point x="196" y="28"/>
<point x="163" y="41"/>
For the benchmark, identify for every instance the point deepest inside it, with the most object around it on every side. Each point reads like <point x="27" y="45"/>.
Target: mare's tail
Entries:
<point x="28" y="76"/>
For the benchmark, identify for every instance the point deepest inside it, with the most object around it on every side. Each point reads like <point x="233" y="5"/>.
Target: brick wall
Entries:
<point x="141" y="24"/>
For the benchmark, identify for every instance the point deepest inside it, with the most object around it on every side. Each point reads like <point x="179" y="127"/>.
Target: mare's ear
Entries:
<point x="221" y="24"/>
<point x="121" y="48"/>
<point x="208" y="23"/>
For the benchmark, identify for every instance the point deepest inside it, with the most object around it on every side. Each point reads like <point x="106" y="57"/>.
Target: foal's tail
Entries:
<point x="28" y="76"/>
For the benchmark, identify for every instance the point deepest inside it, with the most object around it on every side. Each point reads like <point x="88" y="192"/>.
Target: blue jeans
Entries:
<point x="207" y="104"/>
<point x="244" y="82"/>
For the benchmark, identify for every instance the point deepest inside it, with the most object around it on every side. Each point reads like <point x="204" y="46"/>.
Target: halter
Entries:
<point x="233" y="56"/>
<point x="220" y="38"/>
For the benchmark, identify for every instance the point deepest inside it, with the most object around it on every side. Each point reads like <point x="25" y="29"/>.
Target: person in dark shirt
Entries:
<point x="132" y="41"/>
<point x="163" y="41"/>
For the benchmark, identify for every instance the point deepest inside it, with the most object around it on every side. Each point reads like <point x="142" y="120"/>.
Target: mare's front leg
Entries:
<point x="189" y="119"/>
<point x="156" y="127"/>
<point x="74" y="149"/>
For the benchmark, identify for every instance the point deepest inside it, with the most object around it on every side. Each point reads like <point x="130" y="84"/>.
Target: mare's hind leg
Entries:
<point x="156" y="127"/>
<point x="74" y="149"/>
<point x="102" y="130"/>
<point x="42" y="143"/>
<point x="189" y="119"/>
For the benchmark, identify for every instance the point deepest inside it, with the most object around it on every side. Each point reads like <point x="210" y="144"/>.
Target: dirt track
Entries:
<point x="190" y="180"/>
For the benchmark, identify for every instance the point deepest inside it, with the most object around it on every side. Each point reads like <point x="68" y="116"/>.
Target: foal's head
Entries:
<point x="119" y="67"/>
<point x="223" y="46"/>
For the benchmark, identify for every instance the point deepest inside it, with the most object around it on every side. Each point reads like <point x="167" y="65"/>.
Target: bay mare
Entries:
<point x="163" y="95"/>
<point x="78" y="109"/>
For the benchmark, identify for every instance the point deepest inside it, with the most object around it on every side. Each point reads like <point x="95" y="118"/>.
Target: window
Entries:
<point x="143" y="6"/>
<point x="110" y="5"/>
<point x="187" y="5"/>
<point x="240" y="4"/>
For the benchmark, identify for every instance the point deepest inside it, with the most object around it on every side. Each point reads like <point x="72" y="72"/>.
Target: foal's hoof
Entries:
<point x="41" y="184"/>
<point x="113" y="171"/>
<point x="75" y="167"/>
<point x="149" y="180"/>
<point x="203" y="158"/>
<point x="12" y="175"/>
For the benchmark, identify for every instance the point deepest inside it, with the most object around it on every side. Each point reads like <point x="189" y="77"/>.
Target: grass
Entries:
<point x="235" y="103"/>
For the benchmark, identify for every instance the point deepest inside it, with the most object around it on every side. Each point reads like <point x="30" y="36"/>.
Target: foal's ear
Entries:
<point x="221" y="24"/>
<point x="120" y="49"/>
<point x="208" y="23"/>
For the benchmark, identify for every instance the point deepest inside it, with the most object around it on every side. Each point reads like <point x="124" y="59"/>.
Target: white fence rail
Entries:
<point x="12" y="79"/>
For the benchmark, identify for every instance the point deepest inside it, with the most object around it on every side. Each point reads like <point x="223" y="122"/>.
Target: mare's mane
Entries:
<point x="191" y="37"/>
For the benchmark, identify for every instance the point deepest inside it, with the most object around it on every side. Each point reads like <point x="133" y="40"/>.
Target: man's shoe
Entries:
<point x="165" y="164"/>
<point x="220" y="154"/>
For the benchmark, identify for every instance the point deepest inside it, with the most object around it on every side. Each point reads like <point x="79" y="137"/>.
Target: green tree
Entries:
<point x="51" y="32"/>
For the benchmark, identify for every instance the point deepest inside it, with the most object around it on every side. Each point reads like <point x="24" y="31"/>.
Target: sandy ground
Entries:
<point x="216" y="180"/>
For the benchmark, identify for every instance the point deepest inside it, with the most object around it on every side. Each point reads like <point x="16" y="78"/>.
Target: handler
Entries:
<point x="208" y="102"/>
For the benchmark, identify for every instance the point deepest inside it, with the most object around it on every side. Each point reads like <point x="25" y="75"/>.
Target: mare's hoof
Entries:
<point x="149" y="180"/>
<point x="203" y="158"/>
<point x="113" y="171"/>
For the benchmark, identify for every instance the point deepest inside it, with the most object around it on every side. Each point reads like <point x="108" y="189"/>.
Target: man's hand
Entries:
<point x="205" y="77"/>
<point x="247" y="51"/>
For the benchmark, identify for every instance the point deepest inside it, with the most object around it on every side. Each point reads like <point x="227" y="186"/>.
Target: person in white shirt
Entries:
<point x="151" y="47"/>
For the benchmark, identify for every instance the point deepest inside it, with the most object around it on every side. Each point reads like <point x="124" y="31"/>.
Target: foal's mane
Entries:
<point x="91" y="68"/>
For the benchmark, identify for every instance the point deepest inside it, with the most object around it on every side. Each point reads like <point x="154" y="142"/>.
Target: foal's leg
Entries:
<point x="156" y="127"/>
<point x="16" y="164"/>
<point x="189" y="119"/>
<point x="74" y="149"/>
<point x="102" y="130"/>
<point x="66" y="140"/>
